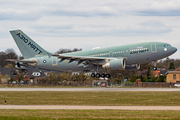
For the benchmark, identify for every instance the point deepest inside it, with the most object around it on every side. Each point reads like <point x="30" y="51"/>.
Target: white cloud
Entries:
<point x="91" y="23"/>
<point x="52" y="25"/>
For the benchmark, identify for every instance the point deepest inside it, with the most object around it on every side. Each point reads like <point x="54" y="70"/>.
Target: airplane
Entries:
<point x="126" y="57"/>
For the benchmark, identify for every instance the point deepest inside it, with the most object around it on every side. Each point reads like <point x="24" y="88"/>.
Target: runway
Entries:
<point x="89" y="89"/>
<point x="81" y="107"/>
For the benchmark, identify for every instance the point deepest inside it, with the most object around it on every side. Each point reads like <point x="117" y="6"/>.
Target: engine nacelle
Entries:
<point x="132" y="67"/>
<point x="20" y="67"/>
<point x="118" y="64"/>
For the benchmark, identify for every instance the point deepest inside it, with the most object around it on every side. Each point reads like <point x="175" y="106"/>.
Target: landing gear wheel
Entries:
<point x="103" y="75"/>
<point x="108" y="75"/>
<point x="98" y="75"/>
<point x="154" y="68"/>
<point x="93" y="75"/>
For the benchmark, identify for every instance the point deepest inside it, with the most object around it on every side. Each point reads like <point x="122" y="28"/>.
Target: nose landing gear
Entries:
<point x="154" y="68"/>
<point x="154" y="65"/>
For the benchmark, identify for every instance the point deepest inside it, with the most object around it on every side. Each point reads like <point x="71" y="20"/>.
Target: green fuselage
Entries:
<point x="134" y="54"/>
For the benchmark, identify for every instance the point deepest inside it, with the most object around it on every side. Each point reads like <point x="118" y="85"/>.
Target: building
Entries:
<point x="33" y="76"/>
<point x="8" y="71"/>
<point x="173" y="77"/>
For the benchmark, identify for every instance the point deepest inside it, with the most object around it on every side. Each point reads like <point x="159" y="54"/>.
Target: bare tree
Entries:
<point x="2" y="59"/>
<point x="8" y="54"/>
<point x="11" y="54"/>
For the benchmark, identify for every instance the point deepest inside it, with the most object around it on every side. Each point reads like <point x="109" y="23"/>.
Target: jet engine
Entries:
<point x="20" y="66"/>
<point x="118" y="64"/>
<point x="132" y="67"/>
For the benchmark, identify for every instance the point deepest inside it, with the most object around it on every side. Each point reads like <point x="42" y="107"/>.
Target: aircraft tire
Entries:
<point x="98" y="75"/>
<point x="93" y="75"/>
<point x="108" y="75"/>
<point x="103" y="75"/>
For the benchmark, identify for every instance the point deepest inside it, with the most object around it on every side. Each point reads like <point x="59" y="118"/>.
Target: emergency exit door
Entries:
<point x="54" y="61"/>
<point x="153" y="48"/>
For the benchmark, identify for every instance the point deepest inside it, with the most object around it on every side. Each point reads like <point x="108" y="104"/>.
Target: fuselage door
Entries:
<point x="153" y="48"/>
<point x="111" y="54"/>
<point x="54" y="61"/>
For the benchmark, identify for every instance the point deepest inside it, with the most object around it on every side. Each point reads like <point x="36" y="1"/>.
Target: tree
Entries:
<point x="172" y="66"/>
<point x="5" y="78"/>
<point x="11" y="54"/>
<point x="8" y="54"/>
<point x="9" y="65"/>
<point x="144" y="66"/>
<point x="2" y="59"/>
<point x="148" y="72"/>
<point x="153" y="78"/>
<point x="133" y="78"/>
<point x="161" y="78"/>
<point x="144" y="78"/>
<point x="21" y="57"/>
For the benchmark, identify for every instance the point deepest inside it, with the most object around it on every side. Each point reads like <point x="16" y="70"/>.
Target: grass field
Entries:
<point x="91" y="98"/>
<point x="88" y="98"/>
<point x="86" y="114"/>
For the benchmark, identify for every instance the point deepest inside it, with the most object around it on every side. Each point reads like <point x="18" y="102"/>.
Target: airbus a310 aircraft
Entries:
<point x="126" y="57"/>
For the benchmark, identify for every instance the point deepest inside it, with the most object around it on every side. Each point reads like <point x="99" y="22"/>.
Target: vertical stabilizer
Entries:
<point x="26" y="45"/>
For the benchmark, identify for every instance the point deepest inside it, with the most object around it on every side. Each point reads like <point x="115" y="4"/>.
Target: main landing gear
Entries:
<point x="98" y="75"/>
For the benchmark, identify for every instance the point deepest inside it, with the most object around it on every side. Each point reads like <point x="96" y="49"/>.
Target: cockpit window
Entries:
<point x="168" y="45"/>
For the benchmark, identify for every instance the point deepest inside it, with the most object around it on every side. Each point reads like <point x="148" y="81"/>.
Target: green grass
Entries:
<point x="86" y="114"/>
<point x="90" y="98"/>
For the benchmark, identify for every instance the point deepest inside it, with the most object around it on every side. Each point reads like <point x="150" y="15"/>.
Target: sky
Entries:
<point x="56" y="24"/>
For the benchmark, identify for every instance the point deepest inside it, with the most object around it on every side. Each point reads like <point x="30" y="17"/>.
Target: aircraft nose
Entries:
<point x="174" y="49"/>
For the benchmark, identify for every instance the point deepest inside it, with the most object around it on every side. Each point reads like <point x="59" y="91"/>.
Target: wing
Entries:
<point x="80" y="59"/>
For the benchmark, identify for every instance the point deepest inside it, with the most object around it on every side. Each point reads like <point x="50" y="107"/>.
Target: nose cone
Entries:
<point x="174" y="49"/>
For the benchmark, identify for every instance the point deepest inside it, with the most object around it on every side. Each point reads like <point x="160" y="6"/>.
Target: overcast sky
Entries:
<point x="86" y="24"/>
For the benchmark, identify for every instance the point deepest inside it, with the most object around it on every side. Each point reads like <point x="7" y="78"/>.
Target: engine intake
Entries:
<point x="118" y="64"/>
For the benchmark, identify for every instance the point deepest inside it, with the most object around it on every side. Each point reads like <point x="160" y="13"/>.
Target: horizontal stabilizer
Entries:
<point x="23" y="61"/>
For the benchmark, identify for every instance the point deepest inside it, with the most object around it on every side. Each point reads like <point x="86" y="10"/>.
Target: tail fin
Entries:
<point x="26" y="45"/>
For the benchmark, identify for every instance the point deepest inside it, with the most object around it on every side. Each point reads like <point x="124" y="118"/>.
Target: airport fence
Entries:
<point x="150" y="84"/>
<point x="50" y="83"/>
<point x="68" y="83"/>
<point x="91" y="84"/>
